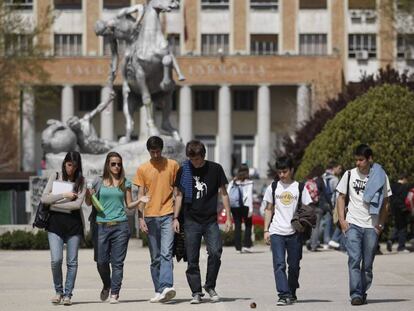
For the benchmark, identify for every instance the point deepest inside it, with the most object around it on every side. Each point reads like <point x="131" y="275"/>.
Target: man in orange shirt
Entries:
<point x="155" y="179"/>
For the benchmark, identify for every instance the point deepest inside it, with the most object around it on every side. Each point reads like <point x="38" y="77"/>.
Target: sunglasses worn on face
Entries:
<point x="113" y="164"/>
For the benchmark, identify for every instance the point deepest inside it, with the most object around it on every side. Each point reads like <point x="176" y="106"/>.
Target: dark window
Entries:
<point x="243" y="100"/>
<point x="115" y="4"/>
<point x="362" y="46"/>
<point x="20" y="4"/>
<point x="205" y="100"/>
<point x="361" y="4"/>
<point x="313" y="44"/>
<point x="405" y="46"/>
<point x="263" y="44"/>
<point x="18" y="44"/>
<point x="68" y="4"/>
<point x="89" y="99"/>
<point x="174" y="42"/>
<point x="264" y="4"/>
<point x="68" y="45"/>
<point x="312" y="4"/>
<point x="215" y="4"/>
<point x="215" y="44"/>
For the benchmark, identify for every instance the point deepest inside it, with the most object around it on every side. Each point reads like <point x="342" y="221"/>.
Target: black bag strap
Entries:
<point x="274" y="186"/>
<point x="301" y="187"/>
<point x="347" y="189"/>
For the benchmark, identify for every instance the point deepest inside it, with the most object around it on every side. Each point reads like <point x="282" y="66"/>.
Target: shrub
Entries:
<point x="5" y="240"/>
<point x="258" y="233"/>
<point x="228" y="238"/>
<point x="39" y="240"/>
<point x="382" y="118"/>
<point x="21" y="240"/>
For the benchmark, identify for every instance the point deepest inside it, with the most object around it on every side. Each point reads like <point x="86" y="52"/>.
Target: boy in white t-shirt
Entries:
<point x="280" y="234"/>
<point x="362" y="224"/>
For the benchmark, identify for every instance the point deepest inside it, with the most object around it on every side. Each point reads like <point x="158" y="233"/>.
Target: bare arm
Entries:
<point x="177" y="208"/>
<point x="383" y="215"/>
<point x="340" y="202"/>
<point x="267" y="220"/>
<point x="141" y="220"/>
<point x="101" y="107"/>
<point x="226" y="205"/>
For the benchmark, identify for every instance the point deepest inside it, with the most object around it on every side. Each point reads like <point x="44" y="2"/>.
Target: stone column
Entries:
<point x="186" y="114"/>
<point x="107" y="116"/>
<point x="68" y="103"/>
<point x="224" y="129"/>
<point x="303" y="105"/>
<point x="28" y="130"/>
<point x="263" y="129"/>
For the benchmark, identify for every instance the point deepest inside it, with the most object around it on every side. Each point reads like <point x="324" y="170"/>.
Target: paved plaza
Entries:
<point x="26" y="282"/>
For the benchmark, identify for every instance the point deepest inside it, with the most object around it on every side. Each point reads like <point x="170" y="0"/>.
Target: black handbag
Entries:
<point x="42" y="216"/>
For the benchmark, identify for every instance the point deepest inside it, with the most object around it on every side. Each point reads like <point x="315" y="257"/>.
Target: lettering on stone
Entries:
<point x="226" y="70"/>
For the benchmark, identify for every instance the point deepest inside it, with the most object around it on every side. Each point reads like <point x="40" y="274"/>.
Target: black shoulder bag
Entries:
<point x="42" y="216"/>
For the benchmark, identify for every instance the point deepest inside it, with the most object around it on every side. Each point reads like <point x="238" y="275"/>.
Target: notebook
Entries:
<point x="60" y="186"/>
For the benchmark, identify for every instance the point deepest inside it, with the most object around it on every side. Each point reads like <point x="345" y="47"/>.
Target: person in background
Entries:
<point x="240" y="191"/>
<point x="65" y="225"/>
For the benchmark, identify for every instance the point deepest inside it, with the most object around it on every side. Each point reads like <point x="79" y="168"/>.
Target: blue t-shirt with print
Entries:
<point x="113" y="202"/>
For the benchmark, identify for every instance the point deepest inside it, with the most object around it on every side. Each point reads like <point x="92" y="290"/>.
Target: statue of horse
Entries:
<point x="148" y="69"/>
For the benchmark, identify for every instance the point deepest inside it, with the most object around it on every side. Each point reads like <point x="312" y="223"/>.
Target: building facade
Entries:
<point x="255" y="69"/>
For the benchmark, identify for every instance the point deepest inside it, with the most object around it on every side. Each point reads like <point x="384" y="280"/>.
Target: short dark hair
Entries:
<point x="364" y="151"/>
<point x="195" y="148"/>
<point x="284" y="163"/>
<point x="155" y="142"/>
<point x="332" y="164"/>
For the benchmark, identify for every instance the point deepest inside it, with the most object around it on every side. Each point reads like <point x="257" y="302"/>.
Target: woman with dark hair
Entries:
<point x="240" y="191"/>
<point x="65" y="224"/>
<point x="111" y="230"/>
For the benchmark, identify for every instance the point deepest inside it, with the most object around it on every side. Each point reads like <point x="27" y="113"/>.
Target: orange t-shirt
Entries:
<point x="158" y="179"/>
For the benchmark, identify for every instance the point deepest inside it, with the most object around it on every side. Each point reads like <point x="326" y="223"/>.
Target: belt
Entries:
<point x="110" y="223"/>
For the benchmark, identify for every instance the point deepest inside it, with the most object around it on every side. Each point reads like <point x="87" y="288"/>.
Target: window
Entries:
<point x="115" y="4"/>
<point x="107" y="46"/>
<point x="313" y="44"/>
<point x="264" y="4"/>
<point x="209" y="142"/>
<point x="20" y="4"/>
<point x="217" y="44"/>
<point x="89" y="99"/>
<point x="68" y="4"/>
<point x="205" y="100"/>
<point x="243" y="100"/>
<point x="358" y="43"/>
<point x="312" y="4"/>
<point x="405" y="46"/>
<point x="361" y="4"/>
<point x="18" y="44"/>
<point x="68" y="45"/>
<point x="243" y="150"/>
<point x="174" y="43"/>
<point x="263" y="44"/>
<point x="215" y="4"/>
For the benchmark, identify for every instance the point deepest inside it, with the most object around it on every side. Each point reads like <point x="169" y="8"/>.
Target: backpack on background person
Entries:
<point x="236" y="196"/>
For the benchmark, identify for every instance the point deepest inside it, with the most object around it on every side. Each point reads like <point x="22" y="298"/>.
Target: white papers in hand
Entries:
<point x="60" y="187"/>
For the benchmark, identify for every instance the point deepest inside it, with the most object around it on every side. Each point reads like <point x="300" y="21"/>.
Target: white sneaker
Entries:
<point x="247" y="250"/>
<point x="114" y="299"/>
<point x="325" y="247"/>
<point x="156" y="298"/>
<point x="404" y="251"/>
<point x="167" y="294"/>
<point x="333" y="244"/>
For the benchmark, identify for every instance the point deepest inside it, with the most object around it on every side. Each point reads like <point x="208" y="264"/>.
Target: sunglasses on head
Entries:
<point x="113" y="164"/>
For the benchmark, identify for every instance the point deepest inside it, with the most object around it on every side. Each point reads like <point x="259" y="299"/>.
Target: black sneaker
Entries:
<point x="357" y="301"/>
<point x="104" y="294"/>
<point x="213" y="294"/>
<point x="294" y="299"/>
<point x="389" y="246"/>
<point x="284" y="302"/>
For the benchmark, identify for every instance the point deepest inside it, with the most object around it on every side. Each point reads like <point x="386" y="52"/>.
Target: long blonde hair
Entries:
<point x="107" y="175"/>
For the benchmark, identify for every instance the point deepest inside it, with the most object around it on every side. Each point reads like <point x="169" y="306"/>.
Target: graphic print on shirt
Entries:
<point x="286" y="198"/>
<point x="201" y="188"/>
<point x="359" y="186"/>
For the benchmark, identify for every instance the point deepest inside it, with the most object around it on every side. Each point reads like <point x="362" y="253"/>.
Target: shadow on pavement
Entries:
<point x="121" y="301"/>
<point x="312" y="300"/>
<point x="371" y="301"/>
<point x="205" y="300"/>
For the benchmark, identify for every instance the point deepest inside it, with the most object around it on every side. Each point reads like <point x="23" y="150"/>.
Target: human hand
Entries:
<point x="176" y="225"/>
<point x="228" y="225"/>
<point x="70" y="195"/>
<point x="144" y="199"/>
<point x="344" y="225"/>
<point x="266" y="237"/>
<point x="142" y="225"/>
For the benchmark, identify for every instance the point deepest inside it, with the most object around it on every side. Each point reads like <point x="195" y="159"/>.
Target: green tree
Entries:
<point x="382" y="118"/>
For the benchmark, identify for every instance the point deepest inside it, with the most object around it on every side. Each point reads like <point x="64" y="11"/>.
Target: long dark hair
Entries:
<point x="107" y="173"/>
<point x="75" y="158"/>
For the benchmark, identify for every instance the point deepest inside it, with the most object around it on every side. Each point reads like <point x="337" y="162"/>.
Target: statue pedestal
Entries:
<point x="133" y="155"/>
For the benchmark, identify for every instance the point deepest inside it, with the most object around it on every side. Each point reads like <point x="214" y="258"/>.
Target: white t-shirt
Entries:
<point x="286" y="202"/>
<point x="358" y="212"/>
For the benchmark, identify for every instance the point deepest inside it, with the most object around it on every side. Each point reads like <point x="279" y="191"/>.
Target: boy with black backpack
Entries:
<point x="283" y="200"/>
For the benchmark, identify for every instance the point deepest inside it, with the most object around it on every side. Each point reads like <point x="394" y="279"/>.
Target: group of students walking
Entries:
<point x="173" y="199"/>
<point x="165" y="189"/>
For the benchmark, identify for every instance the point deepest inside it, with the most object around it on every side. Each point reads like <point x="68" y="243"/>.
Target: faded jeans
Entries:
<point x="56" y="253"/>
<point x="361" y="245"/>
<point x="161" y="243"/>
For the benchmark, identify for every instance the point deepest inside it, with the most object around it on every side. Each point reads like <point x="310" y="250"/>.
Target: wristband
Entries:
<point x="175" y="218"/>
<point x="265" y="231"/>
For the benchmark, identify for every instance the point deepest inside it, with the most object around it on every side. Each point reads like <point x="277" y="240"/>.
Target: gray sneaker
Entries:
<point x="196" y="299"/>
<point x="284" y="301"/>
<point x="213" y="294"/>
<point x="104" y="294"/>
<point x="67" y="301"/>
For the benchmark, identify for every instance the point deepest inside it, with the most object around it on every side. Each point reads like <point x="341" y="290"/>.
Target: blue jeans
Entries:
<point x="292" y="245"/>
<point x="56" y="254"/>
<point x="326" y="227"/>
<point x="161" y="243"/>
<point x="111" y="249"/>
<point x="361" y="245"/>
<point x="193" y="232"/>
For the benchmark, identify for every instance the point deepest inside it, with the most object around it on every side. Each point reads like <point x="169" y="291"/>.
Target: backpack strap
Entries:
<point x="301" y="187"/>
<point x="274" y="186"/>
<point x="347" y="189"/>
